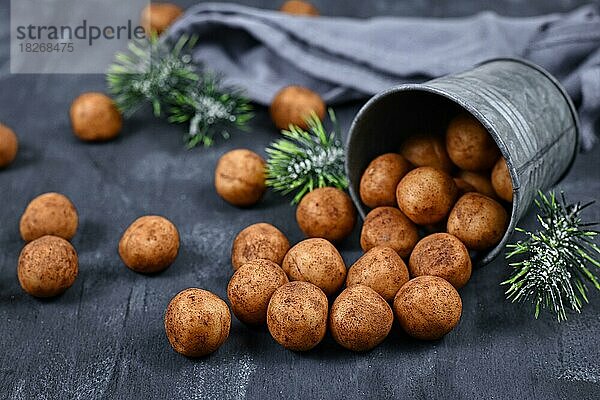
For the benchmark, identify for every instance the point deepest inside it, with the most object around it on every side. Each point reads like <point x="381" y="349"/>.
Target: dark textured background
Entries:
<point x="104" y="337"/>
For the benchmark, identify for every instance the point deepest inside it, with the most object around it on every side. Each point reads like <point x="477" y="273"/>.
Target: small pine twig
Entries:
<point x="305" y="160"/>
<point x="558" y="259"/>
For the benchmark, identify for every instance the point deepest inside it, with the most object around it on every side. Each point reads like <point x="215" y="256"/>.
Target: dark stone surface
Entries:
<point x="104" y="338"/>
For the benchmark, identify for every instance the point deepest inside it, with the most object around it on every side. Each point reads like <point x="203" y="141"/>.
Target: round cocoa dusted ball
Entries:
<point x="387" y="226"/>
<point x="292" y="105"/>
<point x="443" y="255"/>
<point x="426" y="195"/>
<point x="240" y="177"/>
<point x="379" y="181"/>
<point x="197" y="322"/>
<point x="360" y="319"/>
<point x="297" y="7"/>
<point x="256" y="241"/>
<point x="9" y="145"/>
<point x="427" y="307"/>
<point x="478" y="221"/>
<point x="251" y="288"/>
<point x="297" y="316"/>
<point x="157" y="17"/>
<point x="47" y="266"/>
<point x="427" y="151"/>
<point x="95" y="117"/>
<point x="381" y="269"/>
<point x="316" y="261"/>
<point x="150" y="244"/>
<point x="469" y="144"/>
<point x="463" y="186"/>
<point x="49" y="214"/>
<point x="501" y="181"/>
<point x="479" y="181"/>
<point x="326" y="213"/>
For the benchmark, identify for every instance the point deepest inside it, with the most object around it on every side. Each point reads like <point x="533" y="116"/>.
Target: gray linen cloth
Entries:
<point x="343" y="59"/>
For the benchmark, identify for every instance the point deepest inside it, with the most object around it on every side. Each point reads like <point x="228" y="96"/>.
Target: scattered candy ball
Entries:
<point x="378" y="182"/>
<point x="251" y="288"/>
<point x="150" y="244"/>
<point x="360" y="319"/>
<point x="326" y="213"/>
<point x="501" y="180"/>
<point x="297" y="316"/>
<point x="316" y="261"/>
<point x="292" y="105"/>
<point x="443" y="255"/>
<point x="158" y="17"/>
<point x="479" y="181"/>
<point x="463" y="186"/>
<point x="197" y="322"/>
<point x="469" y="144"/>
<point x="47" y="266"/>
<point x="240" y="177"/>
<point x="477" y="221"/>
<point x="9" y="145"/>
<point x="427" y="307"/>
<point x="257" y="241"/>
<point x="381" y="269"/>
<point x="387" y="226"/>
<point x="427" y="151"/>
<point x="297" y="7"/>
<point x="426" y="195"/>
<point x="49" y="214"/>
<point x="95" y="117"/>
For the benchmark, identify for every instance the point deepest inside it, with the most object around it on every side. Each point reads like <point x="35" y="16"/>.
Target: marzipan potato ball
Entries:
<point x="150" y="244"/>
<point x="379" y="181"/>
<point x="387" y="226"/>
<point x="316" y="261"/>
<point x="240" y="177"/>
<point x="251" y="288"/>
<point x="47" y="266"/>
<point x="49" y="214"/>
<point x="360" y="319"/>
<point x="469" y="144"/>
<point x="381" y="269"/>
<point x="427" y="151"/>
<point x="297" y="7"/>
<point x="427" y="307"/>
<point x="157" y="17"/>
<point x="463" y="186"/>
<point x="426" y="195"/>
<point x="9" y="145"/>
<point x="479" y="181"/>
<point x="292" y="105"/>
<point x="326" y="213"/>
<point x="477" y="221"/>
<point x="443" y="255"/>
<point x="256" y="241"/>
<point x="95" y="117"/>
<point x="501" y="181"/>
<point x="297" y="316"/>
<point x="197" y="322"/>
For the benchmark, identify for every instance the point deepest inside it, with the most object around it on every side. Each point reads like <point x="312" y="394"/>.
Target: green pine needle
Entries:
<point x="558" y="259"/>
<point x="305" y="160"/>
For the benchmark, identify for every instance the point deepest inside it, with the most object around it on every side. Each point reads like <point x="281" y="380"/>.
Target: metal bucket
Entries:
<point x="524" y="108"/>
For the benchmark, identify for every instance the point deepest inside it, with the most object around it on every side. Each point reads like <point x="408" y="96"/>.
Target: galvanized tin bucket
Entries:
<point x="524" y="108"/>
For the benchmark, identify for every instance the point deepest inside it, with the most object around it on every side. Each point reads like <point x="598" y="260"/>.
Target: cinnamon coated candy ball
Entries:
<point x="501" y="181"/>
<point x="427" y="151"/>
<point x="378" y="182"/>
<point x="427" y="307"/>
<point x="469" y="144"/>
<point x="49" y="214"/>
<point x="197" y="322"/>
<point x="316" y="261"/>
<point x="381" y="269"/>
<point x="479" y="181"/>
<point x="292" y="105"/>
<point x="150" y="244"/>
<point x="326" y="213"/>
<point x="387" y="226"/>
<point x="360" y="319"/>
<point x="157" y="17"/>
<point x="298" y="7"/>
<point x="297" y="316"/>
<point x="426" y="195"/>
<point x="443" y="255"/>
<point x="240" y="177"/>
<point x="256" y="241"/>
<point x="47" y="266"/>
<point x="95" y="117"/>
<point x="251" y="288"/>
<point x="9" y="145"/>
